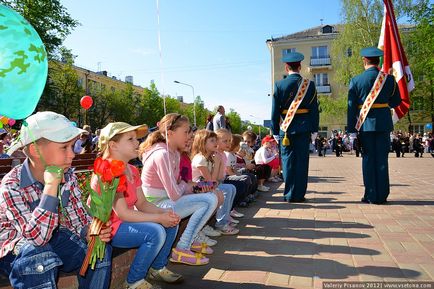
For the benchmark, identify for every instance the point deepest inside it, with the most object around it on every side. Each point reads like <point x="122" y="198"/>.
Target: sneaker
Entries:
<point x="243" y="204"/>
<point x="164" y="275"/>
<point x="250" y="198"/>
<point x="273" y="180"/>
<point x="278" y="178"/>
<point x="228" y="230"/>
<point x="232" y="220"/>
<point x="188" y="257"/>
<point x="209" y="231"/>
<point x="263" y="188"/>
<point x="202" y="238"/>
<point x="202" y="248"/>
<point x="236" y="214"/>
<point x="141" y="284"/>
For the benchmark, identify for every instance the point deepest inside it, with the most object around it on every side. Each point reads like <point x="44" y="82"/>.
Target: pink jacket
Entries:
<point x="161" y="171"/>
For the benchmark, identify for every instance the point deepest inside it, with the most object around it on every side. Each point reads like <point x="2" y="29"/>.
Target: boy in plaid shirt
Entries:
<point x="43" y="224"/>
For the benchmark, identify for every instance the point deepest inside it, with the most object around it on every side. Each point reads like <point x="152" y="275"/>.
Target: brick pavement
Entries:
<point x="331" y="237"/>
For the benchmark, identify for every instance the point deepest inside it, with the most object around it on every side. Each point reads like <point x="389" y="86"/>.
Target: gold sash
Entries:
<point x="370" y="99"/>
<point x="301" y="93"/>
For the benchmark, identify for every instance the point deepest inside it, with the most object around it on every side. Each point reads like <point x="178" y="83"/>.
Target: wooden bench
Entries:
<point x="122" y="259"/>
<point x="5" y="167"/>
<point x="83" y="162"/>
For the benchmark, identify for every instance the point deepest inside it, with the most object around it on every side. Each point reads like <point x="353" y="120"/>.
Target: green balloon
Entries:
<point x="23" y="65"/>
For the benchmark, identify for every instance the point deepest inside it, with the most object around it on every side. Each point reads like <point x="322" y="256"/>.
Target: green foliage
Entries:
<point x="62" y="92"/>
<point x="332" y="110"/>
<point x="420" y="43"/>
<point x="235" y="121"/>
<point x="360" y="28"/>
<point x="49" y="18"/>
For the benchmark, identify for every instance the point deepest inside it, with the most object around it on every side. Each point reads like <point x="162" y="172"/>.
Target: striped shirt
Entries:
<point x="25" y="213"/>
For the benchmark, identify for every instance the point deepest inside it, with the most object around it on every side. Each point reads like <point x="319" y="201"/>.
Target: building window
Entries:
<point x="327" y="29"/>
<point x="286" y="51"/>
<point x="322" y="131"/>
<point x="322" y="83"/>
<point x="417" y="128"/>
<point x="321" y="79"/>
<point x="320" y="52"/>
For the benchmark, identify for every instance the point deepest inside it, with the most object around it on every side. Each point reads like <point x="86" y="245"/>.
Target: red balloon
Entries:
<point x="86" y="102"/>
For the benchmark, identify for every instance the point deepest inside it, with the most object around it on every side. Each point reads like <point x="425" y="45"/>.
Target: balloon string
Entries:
<point x="161" y="56"/>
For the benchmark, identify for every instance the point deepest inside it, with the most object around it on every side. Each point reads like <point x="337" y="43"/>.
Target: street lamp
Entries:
<point x="194" y="100"/>
<point x="259" y="125"/>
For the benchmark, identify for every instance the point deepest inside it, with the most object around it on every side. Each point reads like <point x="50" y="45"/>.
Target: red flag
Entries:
<point x="394" y="60"/>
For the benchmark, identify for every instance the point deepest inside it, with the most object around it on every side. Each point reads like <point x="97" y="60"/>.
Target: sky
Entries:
<point x="218" y="47"/>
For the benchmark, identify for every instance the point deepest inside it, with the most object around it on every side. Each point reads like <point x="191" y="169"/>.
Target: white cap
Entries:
<point x="47" y="124"/>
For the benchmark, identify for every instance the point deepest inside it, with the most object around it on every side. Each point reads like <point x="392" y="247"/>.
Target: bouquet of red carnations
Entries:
<point x="111" y="179"/>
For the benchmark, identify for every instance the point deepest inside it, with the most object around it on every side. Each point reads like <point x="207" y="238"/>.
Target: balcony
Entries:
<point x="323" y="89"/>
<point x="320" y="63"/>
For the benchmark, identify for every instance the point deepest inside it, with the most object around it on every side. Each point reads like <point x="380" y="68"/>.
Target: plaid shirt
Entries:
<point x="25" y="213"/>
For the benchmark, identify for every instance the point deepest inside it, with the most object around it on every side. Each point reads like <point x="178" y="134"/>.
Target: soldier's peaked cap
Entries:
<point x="292" y="57"/>
<point x="371" y="52"/>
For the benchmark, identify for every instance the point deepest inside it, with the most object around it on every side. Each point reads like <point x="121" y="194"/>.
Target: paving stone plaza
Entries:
<point x="333" y="236"/>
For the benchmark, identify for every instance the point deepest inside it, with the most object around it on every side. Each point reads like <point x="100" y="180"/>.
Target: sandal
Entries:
<point x="202" y="248"/>
<point x="188" y="257"/>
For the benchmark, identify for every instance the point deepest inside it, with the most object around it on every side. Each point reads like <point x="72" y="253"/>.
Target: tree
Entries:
<point x="49" y="18"/>
<point x="361" y="28"/>
<point x="420" y="43"/>
<point x="152" y="106"/>
<point x="62" y="92"/>
<point x="234" y="120"/>
<point x="332" y="110"/>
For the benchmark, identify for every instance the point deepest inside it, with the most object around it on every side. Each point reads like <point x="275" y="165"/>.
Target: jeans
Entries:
<point x="37" y="266"/>
<point x="200" y="207"/>
<point x="223" y="213"/>
<point x="153" y="241"/>
<point x="242" y="184"/>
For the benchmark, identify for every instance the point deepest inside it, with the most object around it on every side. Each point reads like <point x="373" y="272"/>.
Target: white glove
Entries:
<point x="276" y="137"/>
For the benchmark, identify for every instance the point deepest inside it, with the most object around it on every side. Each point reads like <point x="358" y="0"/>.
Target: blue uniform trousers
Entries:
<point x="375" y="146"/>
<point x="295" y="165"/>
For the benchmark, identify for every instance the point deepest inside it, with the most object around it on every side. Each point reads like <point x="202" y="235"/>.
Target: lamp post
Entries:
<point x="194" y="100"/>
<point x="259" y="126"/>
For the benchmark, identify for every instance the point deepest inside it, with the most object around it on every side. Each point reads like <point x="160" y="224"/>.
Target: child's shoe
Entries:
<point x="164" y="275"/>
<point x="202" y="238"/>
<point x="202" y="248"/>
<point x="188" y="257"/>
<point x="273" y="180"/>
<point x="209" y="231"/>
<point x="236" y="214"/>
<point x="278" y="178"/>
<point x="251" y="198"/>
<point x="228" y="230"/>
<point x="243" y="204"/>
<point x="141" y="284"/>
<point x="232" y="220"/>
<point x="263" y="188"/>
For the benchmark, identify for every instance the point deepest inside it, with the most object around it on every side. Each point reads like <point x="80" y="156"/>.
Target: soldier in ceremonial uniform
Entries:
<point x="370" y="97"/>
<point x="294" y="117"/>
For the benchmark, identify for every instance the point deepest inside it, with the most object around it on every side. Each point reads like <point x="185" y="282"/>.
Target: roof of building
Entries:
<point x="324" y="31"/>
<point x="321" y="31"/>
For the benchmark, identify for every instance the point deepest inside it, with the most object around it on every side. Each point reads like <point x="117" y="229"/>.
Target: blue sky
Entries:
<point x="216" y="46"/>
